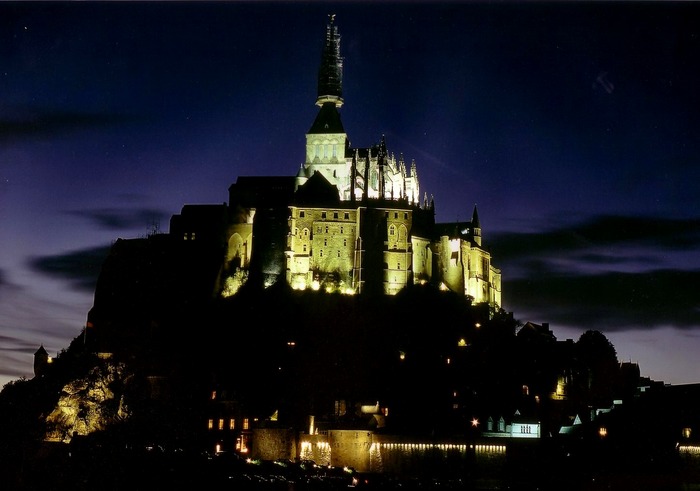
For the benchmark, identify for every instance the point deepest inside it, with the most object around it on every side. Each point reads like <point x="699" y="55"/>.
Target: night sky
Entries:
<point x="573" y="126"/>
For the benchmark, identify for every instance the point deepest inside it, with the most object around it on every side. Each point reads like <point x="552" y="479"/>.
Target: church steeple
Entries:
<point x="476" y="227"/>
<point x="330" y="74"/>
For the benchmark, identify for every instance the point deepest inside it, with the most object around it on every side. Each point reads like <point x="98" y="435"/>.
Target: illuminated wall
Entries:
<point x="366" y="451"/>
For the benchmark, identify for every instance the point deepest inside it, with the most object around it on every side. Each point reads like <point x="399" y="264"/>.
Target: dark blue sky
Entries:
<point x="573" y="125"/>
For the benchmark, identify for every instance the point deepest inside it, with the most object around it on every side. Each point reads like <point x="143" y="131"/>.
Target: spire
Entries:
<point x="476" y="227"/>
<point x="475" y="218"/>
<point x="330" y="74"/>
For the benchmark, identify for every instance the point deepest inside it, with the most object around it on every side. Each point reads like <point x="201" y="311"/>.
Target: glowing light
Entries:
<point x="402" y="355"/>
<point x="462" y="342"/>
<point x="686" y="432"/>
<point x="475" y="422"/>
<point x="603" y="432"/>
<point x="315" y="285"/>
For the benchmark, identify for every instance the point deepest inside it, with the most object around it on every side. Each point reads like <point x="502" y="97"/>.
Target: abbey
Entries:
<point x="351" y="220"/>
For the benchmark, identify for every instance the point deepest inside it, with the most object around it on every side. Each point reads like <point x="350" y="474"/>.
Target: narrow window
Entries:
<point x="302" y="214"/>
<point x="245" y="424"/>
<point x="232" y="424"/>
<point x="346" y="216"/>
<point x="210" y="424"/>
<point x="323" y="215"/>
<point x="221" y="423"/>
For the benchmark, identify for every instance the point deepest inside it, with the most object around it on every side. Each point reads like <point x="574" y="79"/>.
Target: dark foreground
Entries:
<point x="155" y="469"/>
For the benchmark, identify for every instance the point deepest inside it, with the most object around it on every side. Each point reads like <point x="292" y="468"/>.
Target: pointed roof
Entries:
<point x="330" y="73"/>
<point x="327" y="120"/>
<point x="41" y="351"/>
<point x="475" y="219"/>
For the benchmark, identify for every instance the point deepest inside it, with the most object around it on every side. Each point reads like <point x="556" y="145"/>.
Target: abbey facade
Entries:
<point x="352" y="220"/>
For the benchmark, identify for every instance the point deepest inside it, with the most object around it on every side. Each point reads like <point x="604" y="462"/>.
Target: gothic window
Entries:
<point x="304" y="248"/>
<point x="392" y="230"/>
<point x="221" y="423"/>
<point x="306" y="232"/>
<point x="326" y="228"/>
<point x="398" y="265"/>
<point x="232" y="424"/>
<point x="341" y="229"/>
<point x="345" y="242"/>
<point x="325" y="242"/>
<point x="320" y="253"/>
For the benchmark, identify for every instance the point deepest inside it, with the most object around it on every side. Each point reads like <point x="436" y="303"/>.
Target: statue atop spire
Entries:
<point x="330" y="74"/>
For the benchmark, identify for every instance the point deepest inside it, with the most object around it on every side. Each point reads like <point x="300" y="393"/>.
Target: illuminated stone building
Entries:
<point x="350" y="221"/>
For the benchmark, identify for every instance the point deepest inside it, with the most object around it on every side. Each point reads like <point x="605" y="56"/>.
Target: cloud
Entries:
<point x="600" y="231"/>
<point x="612" y="301"/>
<point x="608" y="272"/>
<point x="120" y="219"/>
<point x="81" y="268"/>
<point x="27" y="122"/>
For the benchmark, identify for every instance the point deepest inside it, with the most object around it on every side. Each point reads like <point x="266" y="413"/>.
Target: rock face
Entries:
<point x="90" y="403"/>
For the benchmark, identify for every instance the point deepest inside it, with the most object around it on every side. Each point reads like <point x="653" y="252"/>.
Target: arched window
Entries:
<point x="392" y="230"/>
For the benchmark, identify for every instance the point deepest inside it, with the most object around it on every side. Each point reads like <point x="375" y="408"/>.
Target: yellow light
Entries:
<point x="686" y="432"/>
<point x="475" y="422"/>
<point x="603" y="432"/>
<point x="315" y="285"/>
<point x="462" y="342"/>
<point x="478" y="325"/>
<point x="402" y="355"/>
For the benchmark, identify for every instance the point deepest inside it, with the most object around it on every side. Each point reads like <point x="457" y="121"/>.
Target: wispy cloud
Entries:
<point x="122" y="219"/>
<point x="609" y="272"/>
<point x="81" y="268"/>
<point x="29" y="122"/>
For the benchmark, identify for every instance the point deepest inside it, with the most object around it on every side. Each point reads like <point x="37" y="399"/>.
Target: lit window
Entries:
<point x="184" y="236"/>
<point x="245" y="423"/>
<point x="232" y="424"/>
<point x="686" y="432"/>
<point x="210" y="424"/>
<point x="603" y="432"/>
<point x="221" y="423"/>
<point x="192" y="236"/>
<point x="213" y="395"/>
